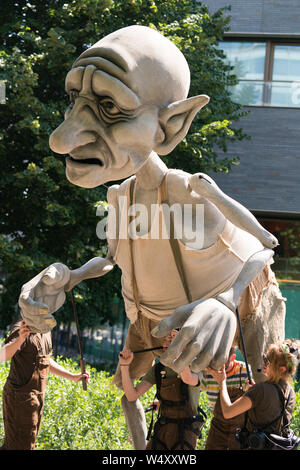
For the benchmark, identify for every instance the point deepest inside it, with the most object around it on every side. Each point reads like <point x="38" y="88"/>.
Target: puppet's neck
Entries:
<point x="151" y="174"/>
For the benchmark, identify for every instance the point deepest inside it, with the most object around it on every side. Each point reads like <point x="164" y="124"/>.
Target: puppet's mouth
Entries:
<point x="86" y="161"/>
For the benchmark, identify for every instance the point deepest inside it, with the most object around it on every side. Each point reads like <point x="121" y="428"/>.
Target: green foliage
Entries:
<point x="78" y="420"/>
<point x="43" y="218"/>
<point x="93" y="420"/>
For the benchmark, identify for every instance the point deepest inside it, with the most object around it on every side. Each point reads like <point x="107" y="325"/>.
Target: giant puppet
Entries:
<point x="128" y="105"/>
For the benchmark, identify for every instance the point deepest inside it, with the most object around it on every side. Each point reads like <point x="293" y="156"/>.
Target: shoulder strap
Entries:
<point x="158" y="367"/>
<point x="133" y="278"/>
<point x="174" y="243"/>
<point x="157" y="371"/>
<point x="284" y="403"/>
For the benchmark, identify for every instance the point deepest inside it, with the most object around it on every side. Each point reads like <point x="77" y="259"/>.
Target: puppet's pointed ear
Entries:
<point x="175" y="120"/>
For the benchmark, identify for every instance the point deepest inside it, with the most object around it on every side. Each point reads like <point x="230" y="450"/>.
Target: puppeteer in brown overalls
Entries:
<point x="222" y="431"/>
<point x="24" y="391"/>
<point x="177" y="427"/>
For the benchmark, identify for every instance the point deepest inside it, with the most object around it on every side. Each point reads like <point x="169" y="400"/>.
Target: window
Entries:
<point x="268" y="72"/>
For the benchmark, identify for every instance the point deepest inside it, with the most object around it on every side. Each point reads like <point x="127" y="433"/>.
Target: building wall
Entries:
<point x="261" y="16"/>
<point x="268" y="176"/>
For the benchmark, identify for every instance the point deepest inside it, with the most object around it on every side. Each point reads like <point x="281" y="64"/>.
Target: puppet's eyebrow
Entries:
<point x="104" y="84"/>
<point x="74" y="79"/>
<point x="103" y="64"/>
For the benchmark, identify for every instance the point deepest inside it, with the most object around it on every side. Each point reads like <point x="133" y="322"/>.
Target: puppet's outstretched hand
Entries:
<point x="207" y="330"/>
<point x="42" y="296"/>
<point x="45" y="293"/>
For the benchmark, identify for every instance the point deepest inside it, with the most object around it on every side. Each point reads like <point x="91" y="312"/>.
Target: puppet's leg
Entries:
<point x="138" y="338"/>
<point x="264" y="327"/>
<point x="136" y="422"/>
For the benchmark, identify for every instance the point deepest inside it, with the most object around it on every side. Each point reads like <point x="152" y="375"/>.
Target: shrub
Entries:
<point x="93" y="420"/>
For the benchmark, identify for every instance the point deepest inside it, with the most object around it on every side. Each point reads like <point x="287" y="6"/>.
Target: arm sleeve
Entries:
<point x="255" y="393"/>
<point x="203" y="383"/>
<point x="150" y="376"/>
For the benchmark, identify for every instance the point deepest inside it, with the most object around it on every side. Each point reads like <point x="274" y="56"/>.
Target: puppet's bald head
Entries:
<point x="128" y="97"/>
<point x="155" y="68"/>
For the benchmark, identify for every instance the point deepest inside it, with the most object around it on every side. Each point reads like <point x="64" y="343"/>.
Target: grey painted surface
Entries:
<point x="261" y="16"/>
<point x="268" y="177"/>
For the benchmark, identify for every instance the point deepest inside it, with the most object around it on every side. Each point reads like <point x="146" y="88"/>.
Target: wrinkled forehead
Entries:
<point x="102" y="83"/>
<point x="148" y="65"/>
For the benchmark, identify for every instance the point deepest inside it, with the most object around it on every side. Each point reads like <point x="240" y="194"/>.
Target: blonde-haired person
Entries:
<point x="268" y="406"/>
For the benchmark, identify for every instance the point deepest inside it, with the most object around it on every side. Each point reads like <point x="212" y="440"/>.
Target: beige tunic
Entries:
<point x="208" y="271"/>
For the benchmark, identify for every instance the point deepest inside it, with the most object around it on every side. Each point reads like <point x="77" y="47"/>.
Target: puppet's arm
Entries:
<point x="45" y="293"/>
<point x="208" y="326"/>
<point x="234" y="211"/>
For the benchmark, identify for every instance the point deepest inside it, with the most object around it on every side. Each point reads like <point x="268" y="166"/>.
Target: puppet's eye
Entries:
<point x="73" y="95"/>
<point x="109" y="107"/>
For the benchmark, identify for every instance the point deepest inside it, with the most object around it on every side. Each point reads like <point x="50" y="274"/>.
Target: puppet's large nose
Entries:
<point x="71" y="134"/>
<point x="77" y="129"/>
<point x="60" y="141"/>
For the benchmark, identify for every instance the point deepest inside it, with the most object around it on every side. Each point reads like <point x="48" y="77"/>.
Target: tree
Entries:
<point x="43" y="218"/>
